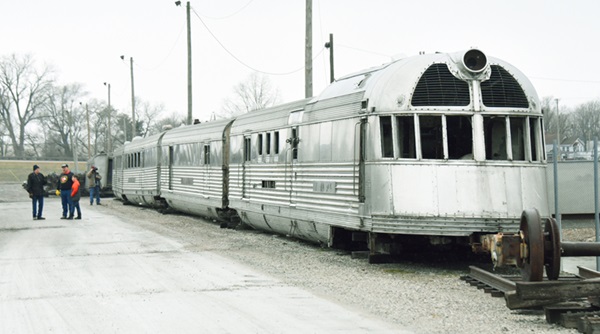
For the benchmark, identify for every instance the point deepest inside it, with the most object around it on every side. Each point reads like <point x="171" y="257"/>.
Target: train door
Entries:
<point x="293" y="160"/>
<point x="206" y="168"/>
<point x="245" y="164"/>
<point x="170" y="167"/>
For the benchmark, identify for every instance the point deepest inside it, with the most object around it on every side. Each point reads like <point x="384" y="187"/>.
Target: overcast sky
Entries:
<point x="553" y="42"/>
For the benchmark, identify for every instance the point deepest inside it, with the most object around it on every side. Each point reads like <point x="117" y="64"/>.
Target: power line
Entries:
<point x="229" y="15"/>
<point x="567" y="80"/>
<point x="241" y="61"/>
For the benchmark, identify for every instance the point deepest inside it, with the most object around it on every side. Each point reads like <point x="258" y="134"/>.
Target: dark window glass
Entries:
<point x="517" y="135"/>
<point x="533" y="131"/>
<point x="247" y="149"/>
<point x="387" y="140"/>
<point x="276" y="142"/>
<point x="432" y="145"/>
<point x="295" y="141"/>
<point x="460" y="137"/>
<point x="495" y="138"/>
<point x="206" y="155"/>
<point x="406" y="137"/>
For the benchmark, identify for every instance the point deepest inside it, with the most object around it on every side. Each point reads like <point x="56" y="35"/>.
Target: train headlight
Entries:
<point x="475" y="61"/>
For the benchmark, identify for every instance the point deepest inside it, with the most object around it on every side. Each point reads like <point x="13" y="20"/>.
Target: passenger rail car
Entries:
<point x="445" y="146"/>
<point x="104" y="164"/>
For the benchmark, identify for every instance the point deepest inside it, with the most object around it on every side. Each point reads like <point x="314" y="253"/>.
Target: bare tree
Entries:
<point x="22" y="95"/>
<point x="173" y="121"/>
<point x="149" y="115"/>
<point x="586" y="121"/>
<point x="255" y="93"/>
<point x="63" y="119"/>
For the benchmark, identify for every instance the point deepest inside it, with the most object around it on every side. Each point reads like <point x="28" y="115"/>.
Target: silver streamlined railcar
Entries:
<point x="444" y="147"/>
<point x="104" y="164"/>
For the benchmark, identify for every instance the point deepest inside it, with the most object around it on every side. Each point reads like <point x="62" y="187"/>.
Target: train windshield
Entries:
<point x="451" y="137"/>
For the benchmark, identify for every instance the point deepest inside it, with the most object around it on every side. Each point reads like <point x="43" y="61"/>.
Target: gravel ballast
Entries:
<point x="418" y="296"/>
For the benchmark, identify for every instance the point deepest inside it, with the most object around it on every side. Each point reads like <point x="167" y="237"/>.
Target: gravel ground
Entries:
<point x="424" y="296"/>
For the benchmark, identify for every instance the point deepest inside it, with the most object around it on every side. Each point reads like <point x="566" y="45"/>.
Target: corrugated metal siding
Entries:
<point x="338" y="107"/>
<point x="197" y="181"/>
<point x="441" y="226"/>
<point x="296" y="186"/>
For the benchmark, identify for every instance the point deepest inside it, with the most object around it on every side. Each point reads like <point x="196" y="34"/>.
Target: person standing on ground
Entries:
<point x="35" y="187"/>
<point x="75" y="197"/>
<point x="65" y="184"/>
<point x="93" y="183"/>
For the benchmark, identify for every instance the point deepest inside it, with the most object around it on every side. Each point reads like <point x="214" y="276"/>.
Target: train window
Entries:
<point x="432" y="144"/>
<point x="517" y="136"/>
<point x="268" y="143"/>
<point x="533" y="135"/>
<point x="294" y="142"/>
<point x="387" y="138"/>
<point x="206" y="155"/>
<point x="268" y="184"/>
<point x="247" y="149"/>
<point x="495" y="138"/>
<point x="259" y="144"/>
<point x="460" y="137"/>
<point x="406" y="137"/>
<point x="276" y="142"/>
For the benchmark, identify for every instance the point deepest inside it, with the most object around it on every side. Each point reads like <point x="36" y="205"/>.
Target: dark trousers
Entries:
<point x="67" y="202"/>
<point x="37" y="202"/>
<point x="76" y="207"/>
<point x="95" y="193"/>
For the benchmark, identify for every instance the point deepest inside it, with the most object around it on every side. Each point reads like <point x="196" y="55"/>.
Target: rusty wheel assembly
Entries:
<point x="532" y="263"/>
<point x="552" y="249"/>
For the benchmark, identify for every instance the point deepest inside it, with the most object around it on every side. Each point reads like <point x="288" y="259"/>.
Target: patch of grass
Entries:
<point x="16" y="171"/>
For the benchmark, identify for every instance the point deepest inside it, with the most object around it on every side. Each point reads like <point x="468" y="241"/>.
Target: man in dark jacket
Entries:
<point x="64" y="190"/>
<point x="35" y="187"/>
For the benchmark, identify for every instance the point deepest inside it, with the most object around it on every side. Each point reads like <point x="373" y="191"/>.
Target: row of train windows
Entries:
<point x="148" y="157"/>
<point x="180" y="155"/>
<point x="457" y="134"/>
<point x="268" y="143"/>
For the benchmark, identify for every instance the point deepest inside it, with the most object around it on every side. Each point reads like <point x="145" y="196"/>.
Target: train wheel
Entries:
<point x="532" y="266"/>
<point x="552" y="249"/>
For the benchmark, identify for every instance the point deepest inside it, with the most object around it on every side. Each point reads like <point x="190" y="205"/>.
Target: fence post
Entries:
<point x="556" y="209"/>
<point x="596" y="220"/>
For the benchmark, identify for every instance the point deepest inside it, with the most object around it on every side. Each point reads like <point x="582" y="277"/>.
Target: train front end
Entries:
<point x="454" y="148"/>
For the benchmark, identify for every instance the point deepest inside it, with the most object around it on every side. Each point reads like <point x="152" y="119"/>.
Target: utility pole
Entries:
<point x="109" y="137"/>
<point x="558" y="131"/>
<point x="189" y="61"/>
<point x="87" y="115"/>
<point x="133" y="132"/>
<point x="73" y="139"/>
<point x="329" y="45"/>
<point x="308" y="84"/>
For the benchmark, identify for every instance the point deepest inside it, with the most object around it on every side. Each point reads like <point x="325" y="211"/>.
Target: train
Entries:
<point x="440" y="148"/>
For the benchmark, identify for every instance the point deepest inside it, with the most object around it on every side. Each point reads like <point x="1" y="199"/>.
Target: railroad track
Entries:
<point x="572" y="301"/>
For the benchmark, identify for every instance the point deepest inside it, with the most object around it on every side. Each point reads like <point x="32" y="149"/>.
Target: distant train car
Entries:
<point x="438" y="147"/>
<point x="137" y="170"/>
<point x="104" y="163"/>
<point x="194" y="160"/>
